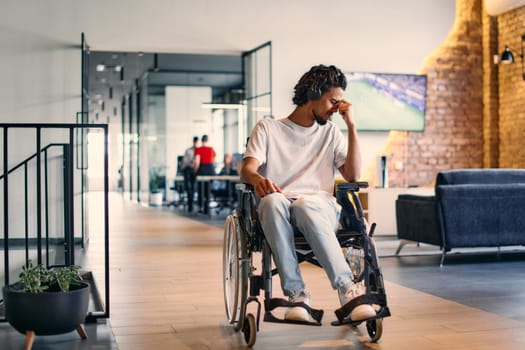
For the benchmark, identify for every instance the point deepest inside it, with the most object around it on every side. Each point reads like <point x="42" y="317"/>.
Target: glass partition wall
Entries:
<point x="155" y="104"/>
<point x="257" y="69"/>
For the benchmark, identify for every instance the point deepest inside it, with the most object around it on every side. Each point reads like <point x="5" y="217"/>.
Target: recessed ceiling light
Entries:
<point x="221" y="105"/>
<point x="101" y="67"/>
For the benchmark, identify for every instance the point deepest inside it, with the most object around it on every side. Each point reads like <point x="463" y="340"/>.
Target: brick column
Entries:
<point x="453" y="136"/>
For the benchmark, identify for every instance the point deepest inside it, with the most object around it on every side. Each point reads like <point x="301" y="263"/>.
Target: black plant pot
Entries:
<point x="47" y="313"/>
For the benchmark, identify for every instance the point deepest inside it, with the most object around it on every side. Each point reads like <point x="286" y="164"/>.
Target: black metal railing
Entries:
<point x="24" y="166"/>
<point x="40" y="193"/>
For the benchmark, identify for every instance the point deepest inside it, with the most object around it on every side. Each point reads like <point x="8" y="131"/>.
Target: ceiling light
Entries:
<point x="221" y="106"/>
<point x="103" y="67"/>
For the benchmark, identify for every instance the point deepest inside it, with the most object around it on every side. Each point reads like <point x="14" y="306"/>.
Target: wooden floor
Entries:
<point x="166" y="293"/>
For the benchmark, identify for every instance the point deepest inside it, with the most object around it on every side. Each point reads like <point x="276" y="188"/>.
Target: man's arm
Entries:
<point x="351" y="169"/>
<point x="250" y="175"/>
<point x="196" y="162"/>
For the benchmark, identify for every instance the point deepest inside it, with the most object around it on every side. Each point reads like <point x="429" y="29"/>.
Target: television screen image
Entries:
<point x="385" y="101"/>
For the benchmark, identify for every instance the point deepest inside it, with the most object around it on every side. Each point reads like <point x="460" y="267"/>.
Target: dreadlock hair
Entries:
<point x="318" y="80"/>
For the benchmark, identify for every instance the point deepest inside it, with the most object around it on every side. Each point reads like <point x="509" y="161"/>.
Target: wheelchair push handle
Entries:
<point x="351" y="186"/>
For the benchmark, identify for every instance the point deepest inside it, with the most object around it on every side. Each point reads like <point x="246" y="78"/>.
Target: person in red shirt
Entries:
<point x="204" y="164"/>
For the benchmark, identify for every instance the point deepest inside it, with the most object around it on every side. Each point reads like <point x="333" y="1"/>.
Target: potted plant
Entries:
<point x="47" y="301"/>
<point x="155" y="194"/>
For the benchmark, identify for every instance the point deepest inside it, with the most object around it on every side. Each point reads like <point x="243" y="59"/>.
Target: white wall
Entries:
<point x="40" y="61"/>
<point x="185" y="118"/>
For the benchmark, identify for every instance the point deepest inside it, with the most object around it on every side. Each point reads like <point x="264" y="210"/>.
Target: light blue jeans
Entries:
<point x="317" y="218"/>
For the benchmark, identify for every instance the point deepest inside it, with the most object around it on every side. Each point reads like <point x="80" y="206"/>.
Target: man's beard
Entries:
<point x="319" y="120"/>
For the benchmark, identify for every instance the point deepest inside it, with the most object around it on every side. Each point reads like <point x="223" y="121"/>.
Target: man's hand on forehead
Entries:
<point x="344" y="106"/>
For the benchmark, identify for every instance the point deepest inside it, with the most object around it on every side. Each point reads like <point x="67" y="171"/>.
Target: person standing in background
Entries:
<point x="188" y="172"/>
<point x="204" y="164"/>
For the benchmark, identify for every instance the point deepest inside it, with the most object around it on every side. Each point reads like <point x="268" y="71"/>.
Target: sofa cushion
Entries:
<point x="483" y="215"/>
<point x="480" y="176"/>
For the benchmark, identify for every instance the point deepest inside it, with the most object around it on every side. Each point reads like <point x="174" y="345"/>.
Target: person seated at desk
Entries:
<point x="228" y="168"/>
<point x="223" y="190"/>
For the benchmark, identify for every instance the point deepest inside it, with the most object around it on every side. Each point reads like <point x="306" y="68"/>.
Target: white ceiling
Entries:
<point x="41" y="39"/>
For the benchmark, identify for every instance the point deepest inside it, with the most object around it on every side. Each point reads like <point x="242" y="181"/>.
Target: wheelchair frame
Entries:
<point x="243" y="236"/>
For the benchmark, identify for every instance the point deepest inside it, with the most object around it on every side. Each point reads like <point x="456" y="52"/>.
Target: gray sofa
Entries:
<point x="470" y="208"/>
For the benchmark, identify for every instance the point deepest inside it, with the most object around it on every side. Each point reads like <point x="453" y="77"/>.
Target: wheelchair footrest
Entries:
<point x="271" y="304"/>
<point x="382" y="313"/>
<point x="374" y="298"/>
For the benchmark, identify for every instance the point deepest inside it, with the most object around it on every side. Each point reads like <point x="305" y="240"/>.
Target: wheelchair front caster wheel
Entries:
<point x="250" y="330"/>
<point x="375" y="329"/>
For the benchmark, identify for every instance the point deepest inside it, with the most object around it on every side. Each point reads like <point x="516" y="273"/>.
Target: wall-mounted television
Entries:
<point x="386" y="101"/>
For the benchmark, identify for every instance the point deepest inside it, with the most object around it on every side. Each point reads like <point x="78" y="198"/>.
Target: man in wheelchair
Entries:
<point x="291" y="164"/>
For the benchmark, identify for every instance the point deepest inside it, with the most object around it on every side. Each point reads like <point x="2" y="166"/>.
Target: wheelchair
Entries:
<point x="243" y="236"/>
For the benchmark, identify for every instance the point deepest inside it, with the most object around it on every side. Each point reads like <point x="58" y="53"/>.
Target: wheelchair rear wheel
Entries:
<point x="235" y="272"/>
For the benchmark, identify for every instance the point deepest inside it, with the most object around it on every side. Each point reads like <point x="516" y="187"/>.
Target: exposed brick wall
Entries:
<point x="511" y="92"/>
<point x="453" y="136"/>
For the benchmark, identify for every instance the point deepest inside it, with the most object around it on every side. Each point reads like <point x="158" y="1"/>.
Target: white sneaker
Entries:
<point x="360" y="312"/>
<point x="298" y="313"/>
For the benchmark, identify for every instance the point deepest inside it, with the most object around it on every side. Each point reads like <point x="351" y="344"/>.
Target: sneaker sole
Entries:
<point x="297" y="314"/>
<point x="362" y="312"/>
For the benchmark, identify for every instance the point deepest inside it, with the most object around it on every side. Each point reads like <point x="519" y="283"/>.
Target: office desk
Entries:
<point x="207" y="190"/>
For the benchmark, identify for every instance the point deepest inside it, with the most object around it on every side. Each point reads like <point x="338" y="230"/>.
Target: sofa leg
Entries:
<point x="442" y="258"/>
<point x="402" y="243"/>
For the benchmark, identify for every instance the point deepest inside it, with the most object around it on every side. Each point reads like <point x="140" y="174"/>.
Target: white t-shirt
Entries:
<point x="300" y="160"/>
